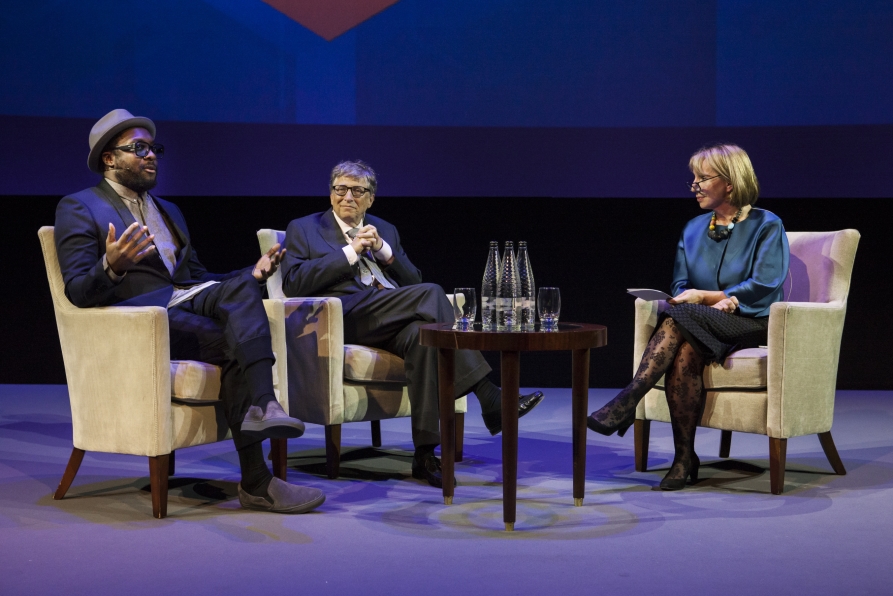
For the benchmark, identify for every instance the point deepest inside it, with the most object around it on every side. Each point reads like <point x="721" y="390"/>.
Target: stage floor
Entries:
<point x="381" y="532"/>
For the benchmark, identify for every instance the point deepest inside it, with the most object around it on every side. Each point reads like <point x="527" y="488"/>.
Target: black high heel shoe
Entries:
<point x="679" y="483"/>
<point x="621" y="428"/>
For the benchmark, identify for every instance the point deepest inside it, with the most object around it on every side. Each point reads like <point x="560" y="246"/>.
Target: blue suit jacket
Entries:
<point x="751" y="264"/>
<point x="82" y="222"/>
<point x="315" y="265"/>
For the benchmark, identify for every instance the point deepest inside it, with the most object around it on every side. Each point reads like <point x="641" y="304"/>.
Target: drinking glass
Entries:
<point x="465" y="308"/>
<point x="548" y="305"/>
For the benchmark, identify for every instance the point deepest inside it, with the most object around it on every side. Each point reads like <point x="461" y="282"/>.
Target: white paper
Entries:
<point x="646" y="294"/>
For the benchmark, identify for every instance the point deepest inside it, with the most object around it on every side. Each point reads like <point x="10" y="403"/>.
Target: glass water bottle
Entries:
<point x="528" y="289"/>
<point x="508" y="304"/>
<point x="490" y="288"/>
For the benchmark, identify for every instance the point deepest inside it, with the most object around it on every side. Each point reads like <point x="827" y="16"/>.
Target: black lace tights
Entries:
<point x="685" y="397"/>
<point x="667" y="353"/>
<point x="658" y="356"/>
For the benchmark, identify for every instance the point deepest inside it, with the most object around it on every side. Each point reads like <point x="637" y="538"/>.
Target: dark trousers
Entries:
<point x="225" y="325"/>
<point x="390" y="320"/>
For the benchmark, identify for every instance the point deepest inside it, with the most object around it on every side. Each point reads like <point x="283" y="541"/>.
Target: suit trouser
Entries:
<point x="225" y="325"/>
<point x="390" y="320"/>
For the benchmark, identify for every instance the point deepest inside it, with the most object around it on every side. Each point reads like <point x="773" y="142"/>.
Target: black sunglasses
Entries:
<point x="142" y="149"/>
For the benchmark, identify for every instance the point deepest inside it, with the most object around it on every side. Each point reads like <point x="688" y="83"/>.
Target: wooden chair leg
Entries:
<point x="778" y="450"/>
<point x="641" y="436"/>
<point x="725" y="443"/>
<point x="172" y="463"/>
<point x="333" y="449"/>
<point x="376" y="433"/>
<point x="158" y="468"/>
<point x="460" y="435"/>
<point x="74" y="463"/>
<point x="831" y="453"/>
<point x="279" y="455"/>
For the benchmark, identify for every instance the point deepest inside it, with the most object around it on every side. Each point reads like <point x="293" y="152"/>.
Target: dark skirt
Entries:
<point x="715" y="334"/>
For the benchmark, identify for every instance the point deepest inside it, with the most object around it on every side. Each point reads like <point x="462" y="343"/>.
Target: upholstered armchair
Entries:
<point x="332" y="383"/>
<point x="127" y="395"/>
<point x="785" y="389"/>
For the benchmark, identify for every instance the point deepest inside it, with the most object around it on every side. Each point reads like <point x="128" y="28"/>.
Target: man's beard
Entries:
<point x="136" y="181"/>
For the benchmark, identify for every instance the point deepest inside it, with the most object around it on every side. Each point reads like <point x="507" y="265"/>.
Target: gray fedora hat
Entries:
<point x="107" y="128"/>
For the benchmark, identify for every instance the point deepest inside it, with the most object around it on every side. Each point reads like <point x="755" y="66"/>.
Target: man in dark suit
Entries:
<point x="214" y="318"/>
<point x="357" y="257"/>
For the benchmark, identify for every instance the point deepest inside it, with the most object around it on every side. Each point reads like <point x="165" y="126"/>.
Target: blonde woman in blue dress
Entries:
<point x="730" y="266"/>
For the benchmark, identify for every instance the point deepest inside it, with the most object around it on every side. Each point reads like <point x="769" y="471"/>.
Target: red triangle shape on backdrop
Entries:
<point x="330" y="18"/>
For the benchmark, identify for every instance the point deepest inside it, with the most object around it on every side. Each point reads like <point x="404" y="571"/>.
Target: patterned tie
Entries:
<point x="165" y="241"/>
<point x="369" y="270"/>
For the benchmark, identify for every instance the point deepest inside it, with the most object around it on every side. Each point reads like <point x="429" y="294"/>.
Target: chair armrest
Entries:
<point x="314" y="337"/>
<point x="276" y="316"/>
<point x="647" y="313"/>
<point x="266" y="238"/>
<point x="452" y="299"/>
<point x="117" y="364"/>
<point x="804" y="346"/>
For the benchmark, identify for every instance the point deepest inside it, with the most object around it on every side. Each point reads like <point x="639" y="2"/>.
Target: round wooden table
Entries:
<point x="579" y="338"/>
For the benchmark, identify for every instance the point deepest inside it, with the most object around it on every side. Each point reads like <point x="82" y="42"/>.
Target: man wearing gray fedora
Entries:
<point x="120" y="245"/>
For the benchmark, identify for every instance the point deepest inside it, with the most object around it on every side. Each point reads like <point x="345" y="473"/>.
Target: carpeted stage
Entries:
<point x="381" y="532"/>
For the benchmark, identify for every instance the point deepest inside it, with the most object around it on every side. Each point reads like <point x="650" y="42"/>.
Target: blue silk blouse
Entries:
<point x="751" y="264"/>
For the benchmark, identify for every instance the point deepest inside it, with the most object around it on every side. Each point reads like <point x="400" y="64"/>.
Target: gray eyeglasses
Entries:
<point x="696" y="186"/>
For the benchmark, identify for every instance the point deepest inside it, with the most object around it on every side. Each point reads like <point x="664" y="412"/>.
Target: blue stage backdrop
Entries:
<point x="575" y="98"/>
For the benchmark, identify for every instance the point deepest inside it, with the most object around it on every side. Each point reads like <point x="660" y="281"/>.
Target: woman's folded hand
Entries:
<point x="729" y="305"/>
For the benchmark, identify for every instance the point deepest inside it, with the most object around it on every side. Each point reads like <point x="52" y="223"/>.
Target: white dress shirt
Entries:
<point x="383" y="255"/>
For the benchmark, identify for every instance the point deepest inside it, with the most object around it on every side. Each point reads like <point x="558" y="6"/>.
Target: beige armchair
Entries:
<point x="332" y="383"/>
<point x="783" y="390"/>
<point x="127" y="395"/>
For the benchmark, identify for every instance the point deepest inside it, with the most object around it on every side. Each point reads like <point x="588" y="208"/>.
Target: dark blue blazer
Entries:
<point x="751" y="264"/>
<point x="82" y="223"/>
<point x="315" y="265"/>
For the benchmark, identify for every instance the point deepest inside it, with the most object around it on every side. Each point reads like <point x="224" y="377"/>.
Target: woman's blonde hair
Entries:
<point x="733" y="165"/>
